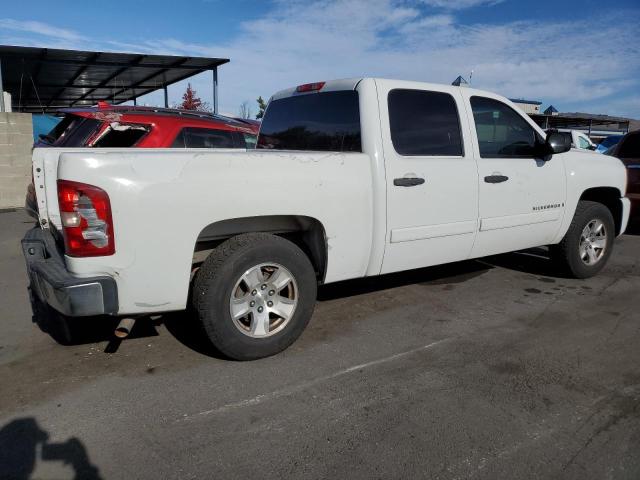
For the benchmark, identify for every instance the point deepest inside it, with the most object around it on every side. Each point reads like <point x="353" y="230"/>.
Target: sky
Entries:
<point x="577" y="55"/>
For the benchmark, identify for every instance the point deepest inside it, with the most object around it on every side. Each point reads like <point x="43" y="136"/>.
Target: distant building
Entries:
<point x="530" y="107"/>
<point x="551" y="110"/>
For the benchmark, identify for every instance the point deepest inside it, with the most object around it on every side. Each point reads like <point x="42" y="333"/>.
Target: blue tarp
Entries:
<point x="43" y="124"/>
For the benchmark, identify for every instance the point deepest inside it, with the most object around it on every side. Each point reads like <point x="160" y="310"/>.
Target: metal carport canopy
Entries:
<point x="46" y="79"/>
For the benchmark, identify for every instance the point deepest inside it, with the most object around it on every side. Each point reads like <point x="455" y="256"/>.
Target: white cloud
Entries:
<point x="459" y="4"/>
<point x="40" y="29"/>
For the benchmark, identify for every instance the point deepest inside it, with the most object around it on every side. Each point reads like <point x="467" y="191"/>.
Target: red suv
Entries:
<point x="107" y="126"/>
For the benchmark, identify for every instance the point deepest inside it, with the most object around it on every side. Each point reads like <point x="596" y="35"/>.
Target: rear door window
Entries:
<point x="424" y="123"/>
<point x="328" y="122"/>
<point x="191" y="137"/>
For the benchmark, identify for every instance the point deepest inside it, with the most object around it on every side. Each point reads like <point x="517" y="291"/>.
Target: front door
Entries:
<point x="432" y="179"/>
<point x="521" y="194"/>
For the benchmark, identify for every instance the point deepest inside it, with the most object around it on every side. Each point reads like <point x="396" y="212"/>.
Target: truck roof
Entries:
<point x="352" y="83"/>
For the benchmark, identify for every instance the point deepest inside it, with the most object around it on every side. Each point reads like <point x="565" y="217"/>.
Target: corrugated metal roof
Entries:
<point x="48" y="79"/>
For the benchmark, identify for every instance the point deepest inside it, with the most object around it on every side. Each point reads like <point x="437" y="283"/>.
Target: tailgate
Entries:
<point x="45" y="175"/>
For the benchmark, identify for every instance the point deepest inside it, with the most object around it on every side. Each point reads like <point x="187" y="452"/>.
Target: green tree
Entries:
<point x="262" y="106"/>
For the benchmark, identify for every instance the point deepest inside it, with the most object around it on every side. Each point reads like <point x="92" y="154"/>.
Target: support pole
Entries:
<point x="135" y="101"/>
<point x="2" y="109"/>
<point x="590" y="124"/>
<point x="166" y="97"/>
<point x="215" y="90"/>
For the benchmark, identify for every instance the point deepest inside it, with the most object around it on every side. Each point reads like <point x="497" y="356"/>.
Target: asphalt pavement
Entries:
<point x="490" y="369"/>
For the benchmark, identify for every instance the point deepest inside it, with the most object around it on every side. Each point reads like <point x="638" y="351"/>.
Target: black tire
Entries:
<point x="217" y="277"/>
<point x="566" y="254"/>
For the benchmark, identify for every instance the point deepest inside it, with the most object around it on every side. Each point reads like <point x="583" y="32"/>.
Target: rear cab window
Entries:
<point x="323" y="121"/>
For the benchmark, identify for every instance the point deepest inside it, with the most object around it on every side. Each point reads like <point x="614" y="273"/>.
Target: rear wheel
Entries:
<point x="588" y="243"/>
<point x="254" y="295"/>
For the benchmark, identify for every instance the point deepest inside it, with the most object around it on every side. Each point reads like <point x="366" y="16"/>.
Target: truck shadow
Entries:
<point x="534" y="261"/>
<point x="439" y="275"/>
<point x="184" y="326"/>
<point x="24" y="445"/>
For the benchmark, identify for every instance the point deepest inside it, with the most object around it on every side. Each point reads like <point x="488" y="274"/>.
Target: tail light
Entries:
<point x="310" y="87"/>
<point x="85" y="211"/>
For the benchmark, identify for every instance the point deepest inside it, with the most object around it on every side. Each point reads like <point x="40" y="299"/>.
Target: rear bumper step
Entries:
<point x="56" y="286"/>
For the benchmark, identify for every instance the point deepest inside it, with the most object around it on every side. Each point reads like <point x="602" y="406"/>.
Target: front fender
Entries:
<point x="586" y="171"/>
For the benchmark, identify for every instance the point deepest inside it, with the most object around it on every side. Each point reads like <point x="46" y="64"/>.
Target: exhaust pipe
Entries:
<point x="124" y="327"/>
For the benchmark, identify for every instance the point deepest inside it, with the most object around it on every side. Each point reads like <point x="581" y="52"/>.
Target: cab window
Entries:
<point x="501" y="131"/>
<point x="424" y="123"/>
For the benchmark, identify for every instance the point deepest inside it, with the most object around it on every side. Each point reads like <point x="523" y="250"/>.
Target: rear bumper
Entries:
<point x="53" y="284"/>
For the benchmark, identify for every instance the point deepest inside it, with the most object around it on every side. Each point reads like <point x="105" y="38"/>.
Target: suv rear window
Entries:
<point x="328" y="122"/>
<point x="71" y="131"/>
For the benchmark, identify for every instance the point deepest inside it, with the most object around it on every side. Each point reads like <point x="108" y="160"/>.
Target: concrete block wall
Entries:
<point x="16" y="140"/>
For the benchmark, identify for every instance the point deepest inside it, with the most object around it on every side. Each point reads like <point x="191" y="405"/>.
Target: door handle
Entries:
<point x="408" y="181"/>
<point x="496" y="178"/>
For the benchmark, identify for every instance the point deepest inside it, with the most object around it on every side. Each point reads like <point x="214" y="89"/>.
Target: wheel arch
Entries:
<point x="306" y="232"/>
<point x="610" y="198"/>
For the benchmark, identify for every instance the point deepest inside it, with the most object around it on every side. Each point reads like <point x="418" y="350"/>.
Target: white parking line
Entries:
<point x="258" y="399"/>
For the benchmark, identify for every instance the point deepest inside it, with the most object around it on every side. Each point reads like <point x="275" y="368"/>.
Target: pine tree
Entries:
<point x="190" y="100"/>
<point x="262" y="106"/>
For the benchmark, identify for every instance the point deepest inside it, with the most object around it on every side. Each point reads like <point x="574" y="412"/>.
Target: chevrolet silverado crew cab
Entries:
<point x="350" y="178"/>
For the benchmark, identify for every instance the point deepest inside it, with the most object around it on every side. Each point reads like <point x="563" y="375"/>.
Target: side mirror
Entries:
<point x="558" y="143"/>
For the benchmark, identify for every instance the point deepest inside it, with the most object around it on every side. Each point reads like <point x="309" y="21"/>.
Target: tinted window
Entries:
<point x="424" y="123"/>
<point x="501" y="131"/>
<point x="318" y="121"/>
<point x="73" y="131"/>
<point x="204" y="138"/>
<point x="57" y="131"/>
<point x="630" y="147"/>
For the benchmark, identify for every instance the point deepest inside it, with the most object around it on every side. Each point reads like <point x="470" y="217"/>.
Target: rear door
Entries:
<point x="521" y="196"/>
<point x="432" y="178"/>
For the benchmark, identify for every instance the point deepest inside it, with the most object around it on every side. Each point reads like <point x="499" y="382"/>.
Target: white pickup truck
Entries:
<point x="351" y="178"/>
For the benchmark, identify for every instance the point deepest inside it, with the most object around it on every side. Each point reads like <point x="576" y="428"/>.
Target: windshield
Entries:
<point x="318" y="122"/>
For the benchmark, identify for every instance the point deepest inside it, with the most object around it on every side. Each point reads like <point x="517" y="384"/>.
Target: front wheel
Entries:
<point x="588" y="243"/>
<point x="254" y="295"/>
